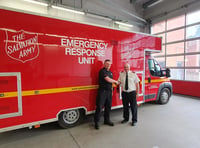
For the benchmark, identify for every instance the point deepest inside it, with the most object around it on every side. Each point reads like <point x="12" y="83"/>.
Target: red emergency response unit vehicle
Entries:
<point x="49" y="68"/>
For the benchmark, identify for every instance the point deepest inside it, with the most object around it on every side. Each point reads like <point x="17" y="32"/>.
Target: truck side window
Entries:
<point x="154" y="68"/>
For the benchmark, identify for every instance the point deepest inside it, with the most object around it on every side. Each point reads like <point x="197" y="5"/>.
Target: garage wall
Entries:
<point x="166" y="10"/>
<point x="186" y="88"/>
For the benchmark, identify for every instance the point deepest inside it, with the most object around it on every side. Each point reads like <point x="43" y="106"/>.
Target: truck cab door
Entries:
<point x="140" y="75"/>
<point x="152" y="80"/>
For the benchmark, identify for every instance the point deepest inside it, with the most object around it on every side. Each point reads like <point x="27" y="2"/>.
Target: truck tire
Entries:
<point x="164" y="96"/>
<point x="70" y="118"/>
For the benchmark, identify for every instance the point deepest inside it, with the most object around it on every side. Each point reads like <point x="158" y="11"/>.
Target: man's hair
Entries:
<point x="107" y="60"/>
<point x="127" y="64"/>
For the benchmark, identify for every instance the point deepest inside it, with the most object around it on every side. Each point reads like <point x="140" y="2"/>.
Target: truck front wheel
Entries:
<point x="70" y="118"/>
<point x="164" y="96"/>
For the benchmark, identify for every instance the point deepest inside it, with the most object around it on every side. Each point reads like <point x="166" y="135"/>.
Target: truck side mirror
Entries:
<point x="168" y="72"/>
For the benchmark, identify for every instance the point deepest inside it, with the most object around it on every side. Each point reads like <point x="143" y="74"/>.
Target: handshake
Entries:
<point x="116" y="82"/>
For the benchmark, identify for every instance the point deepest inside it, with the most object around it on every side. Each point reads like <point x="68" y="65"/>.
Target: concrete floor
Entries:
<point x="174" y="125"/>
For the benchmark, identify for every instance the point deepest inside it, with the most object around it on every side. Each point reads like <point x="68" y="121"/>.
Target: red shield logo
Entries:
<point x="21" y="45"/>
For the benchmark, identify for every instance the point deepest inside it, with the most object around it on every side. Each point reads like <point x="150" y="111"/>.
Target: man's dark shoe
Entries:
<point x="96" y="126"/>
<point x="134" y="123"/>
<point x="109" y="123"/>
<point x="124" y="121"/>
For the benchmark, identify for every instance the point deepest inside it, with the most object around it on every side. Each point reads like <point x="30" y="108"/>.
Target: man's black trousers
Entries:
<point x="129" y="98"/>
<point x="104" y="99"/>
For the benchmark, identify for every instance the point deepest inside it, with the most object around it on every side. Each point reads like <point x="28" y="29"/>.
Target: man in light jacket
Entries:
<point x="130" y="91"/>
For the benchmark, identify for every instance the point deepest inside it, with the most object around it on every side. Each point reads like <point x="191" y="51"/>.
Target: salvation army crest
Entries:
<point x="21" y="45"/>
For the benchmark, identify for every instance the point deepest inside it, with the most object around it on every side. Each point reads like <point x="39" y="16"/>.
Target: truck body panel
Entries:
<point x="50" y="65"/>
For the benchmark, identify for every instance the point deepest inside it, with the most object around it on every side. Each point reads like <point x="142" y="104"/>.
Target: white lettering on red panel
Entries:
<point x="84" y="49"/>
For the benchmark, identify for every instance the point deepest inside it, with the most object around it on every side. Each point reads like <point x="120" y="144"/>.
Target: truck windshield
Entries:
<point x="154" y="68"/>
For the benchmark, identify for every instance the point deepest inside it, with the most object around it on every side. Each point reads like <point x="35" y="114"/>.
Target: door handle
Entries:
<point x="149" y="80"/>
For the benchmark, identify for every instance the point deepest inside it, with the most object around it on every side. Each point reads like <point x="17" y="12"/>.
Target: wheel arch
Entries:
<point x="167" y="85"/>
<point x="81" y="108"/>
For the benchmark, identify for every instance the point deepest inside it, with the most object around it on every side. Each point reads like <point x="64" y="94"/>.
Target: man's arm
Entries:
<point x="119" y="79"/>
<point x="108" y="79"/>
<point x="137" y="89"/>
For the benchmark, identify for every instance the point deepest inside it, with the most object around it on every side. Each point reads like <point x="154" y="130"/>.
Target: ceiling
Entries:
<point x="143" y="8"/>
<point x="165" y="7"/>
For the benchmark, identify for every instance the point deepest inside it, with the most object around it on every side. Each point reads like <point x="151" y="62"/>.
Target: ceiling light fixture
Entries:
<point x="99" y="16"/>
<point x="69" y="10"/>
<point x="37" y="2"/>
<point x="151" y="3"/>
<point x="155" y="3"/>
<point x="124" y="24"/>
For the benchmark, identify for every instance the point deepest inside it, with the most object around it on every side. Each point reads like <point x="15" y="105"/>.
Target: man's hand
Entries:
<point x="137" y="94"/>
<point x="116" y="82"/>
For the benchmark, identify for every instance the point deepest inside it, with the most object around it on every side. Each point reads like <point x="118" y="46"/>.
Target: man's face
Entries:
<point x="126" y="67"/>
<point x="107" y="65"/>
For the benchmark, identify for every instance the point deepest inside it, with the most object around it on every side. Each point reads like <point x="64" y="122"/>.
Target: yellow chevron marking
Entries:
<point x="158" y="80"/>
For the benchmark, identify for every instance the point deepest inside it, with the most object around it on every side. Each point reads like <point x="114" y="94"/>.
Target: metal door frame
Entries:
<point x="19" y="94"/>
